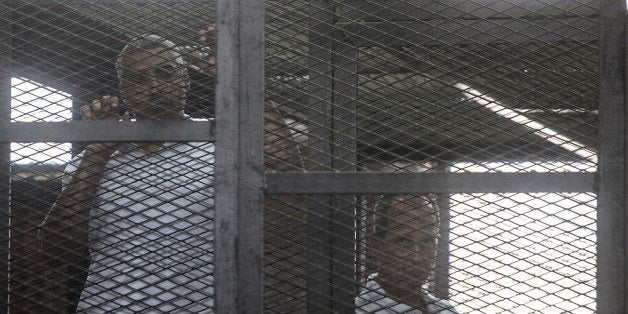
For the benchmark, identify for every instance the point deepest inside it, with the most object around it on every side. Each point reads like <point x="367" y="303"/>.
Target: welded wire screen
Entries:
<point x="523" y="252"/>
<point x="132" y="225"/>
<point x="440" y="87"/>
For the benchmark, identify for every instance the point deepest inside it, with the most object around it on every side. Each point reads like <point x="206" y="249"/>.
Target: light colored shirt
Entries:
<point x="151" y="232"/>
<point x="373" y="299"/>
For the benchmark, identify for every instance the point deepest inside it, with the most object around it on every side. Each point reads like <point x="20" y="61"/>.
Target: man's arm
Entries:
<point x="283" y="152"/>
<point x="63" y="233"/>
<point x="285" y="221"/>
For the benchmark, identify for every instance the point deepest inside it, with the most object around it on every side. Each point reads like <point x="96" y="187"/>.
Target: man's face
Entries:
<point x="406" y="250"/>
<point x="153" y="85"/>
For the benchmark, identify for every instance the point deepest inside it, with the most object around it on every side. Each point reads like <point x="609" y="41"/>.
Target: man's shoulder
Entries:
<point x="373" y="299"/>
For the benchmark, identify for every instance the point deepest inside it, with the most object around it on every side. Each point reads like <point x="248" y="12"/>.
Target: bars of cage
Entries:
<point x="309" y="26"/>
<point x="445" y="42"/>
<point x="239" y="190"/>
<point x="5" y="151"/>
<point x="73" y="47"/>
<point x="441" y="271"/>
<point x="319" y="266"/>
<point x="333" y="86"/>
<point x="611" y="191"/>
<point x="469" y="86"/>
<point x="472" y="86"/>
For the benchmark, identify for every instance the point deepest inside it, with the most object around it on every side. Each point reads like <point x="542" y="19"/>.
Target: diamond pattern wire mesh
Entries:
<point x="375" y="86"/>
<point x="443" y="87"/>
<point x="523" y="252"/>
<point x="131" y="231"/>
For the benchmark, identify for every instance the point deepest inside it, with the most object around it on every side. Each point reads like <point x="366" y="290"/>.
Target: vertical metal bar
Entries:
<point x="611" y="242"/>
<point x="5" y="152"/>
<point x="361" y="248"/>
<point x="441" y="280"/>
<point x="345" y="80"/>
<point x="319" y="219"/>
<point x="239" y="156"/>
<point x="77" y="102"/>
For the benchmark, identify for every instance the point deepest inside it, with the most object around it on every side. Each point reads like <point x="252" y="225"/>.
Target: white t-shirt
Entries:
<point x="373" y="299"/>
<point x="151" y="232"/>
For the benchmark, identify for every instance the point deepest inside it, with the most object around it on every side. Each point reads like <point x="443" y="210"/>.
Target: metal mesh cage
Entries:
<point x="128" y="230"/>
<point x="422" y="155"/>
<point x="442" y="89"/>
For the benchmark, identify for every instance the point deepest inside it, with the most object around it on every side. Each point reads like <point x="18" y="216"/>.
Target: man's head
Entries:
<point x="153" y="78"/>
<point x="404" y="241"/>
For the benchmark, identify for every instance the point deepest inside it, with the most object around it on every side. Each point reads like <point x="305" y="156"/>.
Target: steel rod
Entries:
<point x="240" y="156"/>
<point x="110" y="131"/>
<point x="611" y="278"/>
<point x="400" y="183"/>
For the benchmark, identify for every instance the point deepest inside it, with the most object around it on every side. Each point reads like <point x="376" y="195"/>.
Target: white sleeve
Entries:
<point x="435" y="305"/>
<point x="70" y="169"/>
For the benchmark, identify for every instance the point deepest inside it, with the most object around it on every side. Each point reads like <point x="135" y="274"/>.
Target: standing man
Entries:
<point x="144" y="211"/>
<point x="404" y="247"/>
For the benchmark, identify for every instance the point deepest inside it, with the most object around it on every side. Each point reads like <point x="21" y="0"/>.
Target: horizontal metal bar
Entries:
<point x="458" y="32"/>
<point x="116" y="2"/>
<point x="403" y="183"/>
<point x="109" y="131"/>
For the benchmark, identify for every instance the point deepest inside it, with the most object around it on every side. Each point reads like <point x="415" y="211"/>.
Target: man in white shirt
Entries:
<point x="143" y="210"/>
<point x="404" y="245"/>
